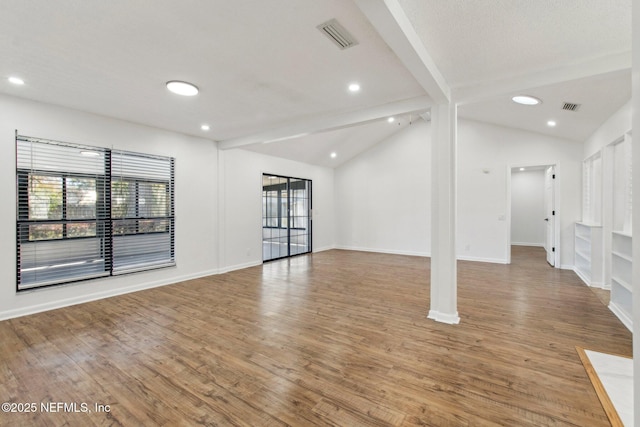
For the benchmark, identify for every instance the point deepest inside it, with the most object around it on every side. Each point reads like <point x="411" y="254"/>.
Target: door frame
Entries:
<point x="556" y="202"/>
<point x="310" y="212"/>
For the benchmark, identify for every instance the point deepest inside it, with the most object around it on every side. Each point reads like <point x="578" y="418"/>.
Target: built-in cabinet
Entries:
<point x="621" y="235"/>
<point x="621" y="278"/>
<point x="603" y="239"/>
<point x="588" y="253"/>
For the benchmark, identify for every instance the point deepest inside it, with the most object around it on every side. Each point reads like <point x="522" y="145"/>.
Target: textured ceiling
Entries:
<point x="477" y="41"/>
<point x="264" y="65"/>
<point x="257" y="63"/>
<point x="600" y="96"/>
<point x="347" y="143"/>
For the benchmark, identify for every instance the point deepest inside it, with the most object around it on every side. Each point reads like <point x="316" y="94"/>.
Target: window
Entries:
<point x="80" y="216"/>
<point x="142" y="211"/>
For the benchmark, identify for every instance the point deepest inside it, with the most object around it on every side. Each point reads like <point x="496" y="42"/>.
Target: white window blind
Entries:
<point x="142" y="211"/>
<point x="72" y="222"/>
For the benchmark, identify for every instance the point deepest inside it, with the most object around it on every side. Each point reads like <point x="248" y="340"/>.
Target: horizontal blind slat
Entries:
<point x="69" y="200"/>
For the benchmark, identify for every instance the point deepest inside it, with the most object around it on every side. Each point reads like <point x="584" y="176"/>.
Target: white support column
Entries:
<point x="635" y="208"/>
<point x="444" y="307"/>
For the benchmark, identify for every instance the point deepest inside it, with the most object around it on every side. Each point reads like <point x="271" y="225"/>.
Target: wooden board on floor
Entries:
<point x="322" y="339"/>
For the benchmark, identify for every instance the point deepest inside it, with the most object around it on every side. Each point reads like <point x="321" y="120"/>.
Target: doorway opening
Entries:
<point x="533" y="219"/>
<point x="286" y="216"/>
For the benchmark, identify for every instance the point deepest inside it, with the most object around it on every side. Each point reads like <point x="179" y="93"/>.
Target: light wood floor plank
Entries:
<point x="334" y="338"/>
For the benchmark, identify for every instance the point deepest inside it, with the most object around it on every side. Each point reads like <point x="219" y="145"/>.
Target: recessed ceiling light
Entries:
<point x="526" y="100"/>
<point x="334" y="155"/>
<point x="391" y="119"/>
<point x="16" y="80"/>
<point x="182" y="88"/>
<point x="551" y="123"/>
<point x="205" y="127"/>
<point x="521" y="169"/>
<point x="354" y="87"/>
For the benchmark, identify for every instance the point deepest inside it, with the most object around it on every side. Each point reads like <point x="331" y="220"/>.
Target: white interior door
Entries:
<point x="550" y="219"/>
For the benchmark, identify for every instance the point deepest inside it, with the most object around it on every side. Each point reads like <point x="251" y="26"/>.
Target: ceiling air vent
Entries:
<point x="337" y="34"/>
<point x="569" y="106"/>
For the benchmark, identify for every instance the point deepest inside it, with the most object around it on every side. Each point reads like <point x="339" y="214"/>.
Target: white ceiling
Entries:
<point x="346" y="142"/>
<point x="476" y="42"/>
<point x="263" y="66"/>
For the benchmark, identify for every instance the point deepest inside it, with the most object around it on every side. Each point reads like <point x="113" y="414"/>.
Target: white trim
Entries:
<point x="451" y="319"/>
<point x="620" y="314"/>
<point x="392" y="24"/>
<point x="325" y="122"/>
<point x="537" y="245"/>
<point x="580" y="275"/>
<point x="588" y="282"/>
<point x="423" y="254"/>
<point x="481" y="259"/>
<point x="239" y="266"/>
<point x="383" y="251"/>
<point x="38" y="308"/>
<point x="324" y="248"/>
<point x="509" y="190"/>
<point x="557" y="237"/>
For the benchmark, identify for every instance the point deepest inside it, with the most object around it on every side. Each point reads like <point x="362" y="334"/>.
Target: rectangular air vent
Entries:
<point x="337" y="34"/>
<point x="569" y="106"/>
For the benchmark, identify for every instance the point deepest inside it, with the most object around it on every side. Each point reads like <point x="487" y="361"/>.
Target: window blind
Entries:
<point x="62" y="212"/>
<point x="142" y="211"/>
<point x="76" y="220"/>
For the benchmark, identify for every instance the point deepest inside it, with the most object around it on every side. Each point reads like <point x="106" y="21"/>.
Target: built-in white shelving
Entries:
<point x="621" y="276"/>
<point x="621" y="260"/>
<point x="588" y="253"/>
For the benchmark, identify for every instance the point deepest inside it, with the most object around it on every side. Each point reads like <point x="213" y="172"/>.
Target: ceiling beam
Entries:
<point x="330" y="122"/>
<point x="393" y="25"/>
<point x="520" y="84"/>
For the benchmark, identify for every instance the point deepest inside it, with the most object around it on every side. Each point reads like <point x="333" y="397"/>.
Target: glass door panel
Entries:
<point x="286" y="216"/>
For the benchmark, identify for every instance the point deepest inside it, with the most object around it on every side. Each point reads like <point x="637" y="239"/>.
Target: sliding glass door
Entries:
<point x="286" y="216"/>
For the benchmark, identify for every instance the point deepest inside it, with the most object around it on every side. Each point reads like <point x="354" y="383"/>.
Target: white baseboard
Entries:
<point x="324" y="248"/>
<point x="581" y="276"/>
<point x="537" y="245"/>
<point x="239" y="266"/>
<point x="383" y="251"/>
<point x="420" y="254"/>
<point x="451" y="319"/>
<point x="480" y="259"/>
<point x="620" y="314"/>
<point x="38" y="308"/>
<point x="588" y="282"/>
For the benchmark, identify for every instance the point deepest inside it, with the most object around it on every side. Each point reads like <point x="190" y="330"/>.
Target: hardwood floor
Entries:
<point x="333" y="338"/>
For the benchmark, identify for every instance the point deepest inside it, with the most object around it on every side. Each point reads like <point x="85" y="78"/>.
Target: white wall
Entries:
<point x="382" y="196"/>
<point x="242" y="210"/>
<point x="612" y="129"/>
<point x="196" y="251"/>
<point x="486" y="154"/>
<point x="527" y="208"/>
<point x="211" y="187"/>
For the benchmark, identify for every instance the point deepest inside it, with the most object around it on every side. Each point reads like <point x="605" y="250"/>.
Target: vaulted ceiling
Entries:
<point x="267" y="74"/>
